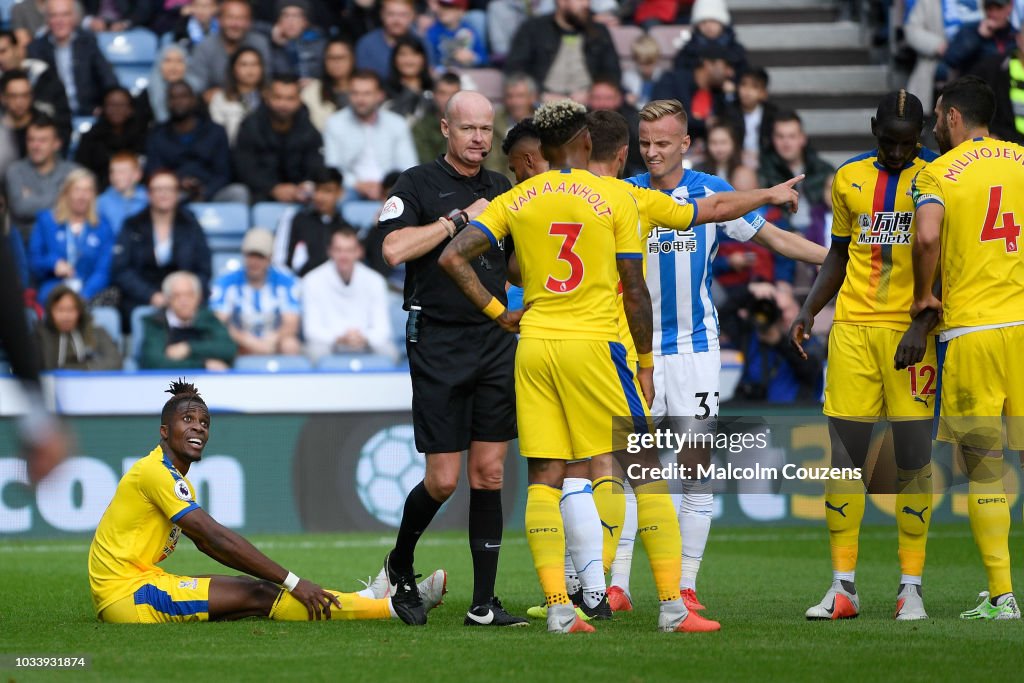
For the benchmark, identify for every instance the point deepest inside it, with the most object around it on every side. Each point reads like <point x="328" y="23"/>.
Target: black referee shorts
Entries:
<point x="463" y="386"/>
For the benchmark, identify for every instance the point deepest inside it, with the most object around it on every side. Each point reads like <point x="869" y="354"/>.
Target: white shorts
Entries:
<point x="686" y="385"/>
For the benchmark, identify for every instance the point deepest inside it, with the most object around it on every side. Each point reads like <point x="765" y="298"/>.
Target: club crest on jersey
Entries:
<point x="190" y="583"/>
<point x="683" y="241"/>
<point x="182" y="491"/>
<point x="885" y="227"/>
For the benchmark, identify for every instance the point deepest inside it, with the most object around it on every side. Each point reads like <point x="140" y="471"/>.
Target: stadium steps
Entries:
<point x="783" y="11"/>
<point x="834" y="43"/>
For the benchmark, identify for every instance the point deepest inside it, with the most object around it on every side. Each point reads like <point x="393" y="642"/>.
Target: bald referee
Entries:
<point x="463" y="391"/>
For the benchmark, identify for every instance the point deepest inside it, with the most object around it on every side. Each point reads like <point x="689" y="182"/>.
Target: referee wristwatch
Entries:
<point x="459" y="219"/>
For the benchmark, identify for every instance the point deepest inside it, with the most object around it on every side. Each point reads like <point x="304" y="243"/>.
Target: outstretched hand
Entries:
<point x="785" y="194"/>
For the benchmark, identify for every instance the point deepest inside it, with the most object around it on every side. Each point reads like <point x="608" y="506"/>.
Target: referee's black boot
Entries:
<point x="492" y="614"/>
<point x="405" y="598"/>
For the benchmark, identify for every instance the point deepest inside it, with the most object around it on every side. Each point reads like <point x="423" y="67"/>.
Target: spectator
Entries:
<point x="185" y="334"/>
<point x="409" y="81"/>
<point x="752" y="114"/>
<point x="364" y="141"/>
<point x="638" y="82"/>
<point x="993" y="35"/>
<point x="75" y="56"/>
<point x="259" y="303"/>
<point x="519" y="99"/>
<point x="171" y="66"/>
<point x="17" y="246"/>
<point x="242" y="93"/>
<point x="302" y="237"/>
<point x="651" y="13"/>
<point x="48" y="96"/>
<point x="607" y="95"/>
<point x="711" y="27"/>
<point x="504" y="17"/>
<point x="34" y="182"/>
<point x="28" y="18"/>
<point x="356" y="19"/>
<point x="426" y="132"/>
<point x="197" y="22"/>
<point x="194" y="148"/>
<point x="155" y="243"/>
<point x="208" y="68"/>
<point x="564" y="52"/>
<point x="928" y="33"/>
<point x="1003" y="74"/>
<point x="277" y="153"/>
<point x="790" y="156"/>
<point x="773" y="370"/>
<point x="115" y="15"/>
<point x="67" y="338"/>
<point x="373" y="51"/>
<point x="116" y="130"/>
<point x="297" y="47"/>
<point x="18" y="109"/>
<point x="329" y="93"/>
<point x="125" y="196"/>
<point x="705" y="92"/>
<point x="453" y="41"/>
<point x="70" y="245"/>
<point x="344" y="303"/>
<point x="8" y="155"/>
<point x="724" y="153"/>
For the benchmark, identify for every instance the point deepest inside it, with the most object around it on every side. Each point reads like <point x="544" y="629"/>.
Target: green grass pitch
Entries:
<point x="757" y="581"/>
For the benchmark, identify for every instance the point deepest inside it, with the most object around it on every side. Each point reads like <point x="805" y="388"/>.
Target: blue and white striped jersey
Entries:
<point x="679" y="269"/>
<point x="256" y="310"/>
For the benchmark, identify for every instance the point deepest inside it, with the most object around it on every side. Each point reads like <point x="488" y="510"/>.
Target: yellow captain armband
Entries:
<point x="646" y="359"/>
<point x="494" y="308"/>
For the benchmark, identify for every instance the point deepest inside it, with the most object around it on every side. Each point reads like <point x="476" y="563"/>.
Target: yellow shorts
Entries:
<point x="861" y="383"/>
<point x="981" y="381"/>
<point x="160" y="599"/>
<point x="568" y="394"/>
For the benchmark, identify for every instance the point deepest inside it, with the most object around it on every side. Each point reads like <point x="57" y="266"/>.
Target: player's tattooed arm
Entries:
<point x="456" y="259"/>
<point x="636" y="300"/>
<point x="914" y="342"/>
<point x="826" y="286"/>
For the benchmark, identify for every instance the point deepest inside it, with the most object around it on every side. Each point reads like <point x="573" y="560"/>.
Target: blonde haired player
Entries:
<point x="576" y="238"/>
<point x="869" y="267"/>
<point x="970" y="208"/>
<point x="155" y="503"/>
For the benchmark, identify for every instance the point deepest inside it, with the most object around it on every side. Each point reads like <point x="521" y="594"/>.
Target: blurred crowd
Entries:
<point x="128" y="124"/>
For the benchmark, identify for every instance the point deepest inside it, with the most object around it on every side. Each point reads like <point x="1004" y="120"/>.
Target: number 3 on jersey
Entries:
<point x="1007" y="230"/>
<point x="569" y="232"/>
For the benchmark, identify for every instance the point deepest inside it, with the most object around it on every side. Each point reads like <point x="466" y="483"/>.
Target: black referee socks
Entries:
<point x="419" y="511"/>
<point x="485" y="525"/>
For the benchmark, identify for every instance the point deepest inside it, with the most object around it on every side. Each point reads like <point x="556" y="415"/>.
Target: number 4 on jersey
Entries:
<point x="1008" y="230"/>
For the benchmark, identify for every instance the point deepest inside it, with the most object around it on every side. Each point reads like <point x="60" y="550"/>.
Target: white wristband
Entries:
<point x="290" y="582"/>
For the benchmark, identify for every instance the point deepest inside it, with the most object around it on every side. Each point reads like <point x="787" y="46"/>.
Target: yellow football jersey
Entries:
<point x="138" y="530"/>
<point x="656" y="209"/>
<point x="569" y="227"/>
<point x="981" y="185"/>
<point x="873" y="211"/>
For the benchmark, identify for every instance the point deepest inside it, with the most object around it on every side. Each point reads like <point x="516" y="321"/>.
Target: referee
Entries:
<point x="463" y="391"/>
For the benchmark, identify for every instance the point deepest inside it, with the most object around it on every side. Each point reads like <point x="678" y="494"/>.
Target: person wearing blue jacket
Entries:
<point x="69" y="243"/>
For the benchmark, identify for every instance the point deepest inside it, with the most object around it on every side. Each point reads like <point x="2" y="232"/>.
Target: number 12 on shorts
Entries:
<point x="922" y="380"/>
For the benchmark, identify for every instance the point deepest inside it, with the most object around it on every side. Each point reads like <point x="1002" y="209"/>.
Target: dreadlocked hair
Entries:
<point x="558" y="122"/>
<point x="902" y="106"/>
<point x="181" y="392"/>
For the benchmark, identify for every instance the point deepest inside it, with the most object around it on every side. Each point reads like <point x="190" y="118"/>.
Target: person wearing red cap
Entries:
<point x="452" y="40"/>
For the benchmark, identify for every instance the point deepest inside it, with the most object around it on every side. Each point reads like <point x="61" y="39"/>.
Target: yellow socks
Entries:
<point x="913" y="515"/>
<point x="990" y="519"/>
<point x="611" y="507"/>
<point x="658" y="528"/>
<point x="353" y="606"/>
<point x="844" y="510"/>
<point x="546" y="538"/>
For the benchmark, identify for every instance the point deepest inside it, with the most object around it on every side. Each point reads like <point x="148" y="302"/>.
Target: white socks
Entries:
<point x="583" y="537"/>
<point x="623" y="562"/>
<point x="695" y="525"/>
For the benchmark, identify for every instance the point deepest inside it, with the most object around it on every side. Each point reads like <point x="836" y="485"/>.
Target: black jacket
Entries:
<point x="135" y="271"/>
<point x="102" y="142"/>
<point x="93" y="73"/>
<point x="734" y="115"/>
<point x="735" y="54"/>
<point x="537" y="41"/>
<point x="264" y="158"/>
<point x="136" y="12"/>
<point x="206" y="156"/>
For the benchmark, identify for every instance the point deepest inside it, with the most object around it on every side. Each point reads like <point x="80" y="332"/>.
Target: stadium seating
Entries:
<point x="360" y="214"/>
<point x="355" y="362"/>
<point x="273" y="364"/>
<point x="224" y="223"/>
<point x="5" y="12"/>
<point x="268" y="214"/>
<point x="670" y="39"/>
<point x="131" y="362"/>
<point x="623" y="37"/>
<point x="225" y="262"/>
<point x="135" y="47"/>
<point x="109" y="319"/>
<point x="398" y="317"/>
<point x="132" y="77"/>
<point x="80" y="125"/>
<point x="488" y="82"/>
